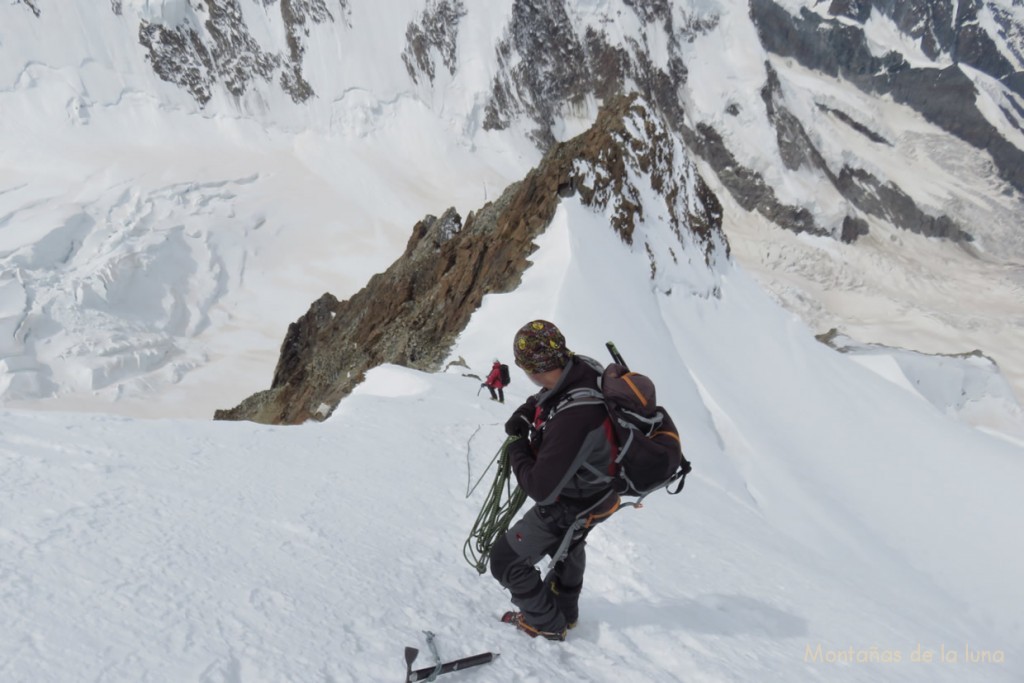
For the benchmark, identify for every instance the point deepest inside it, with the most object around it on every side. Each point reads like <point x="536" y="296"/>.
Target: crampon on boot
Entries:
<point x="516" y="619"/>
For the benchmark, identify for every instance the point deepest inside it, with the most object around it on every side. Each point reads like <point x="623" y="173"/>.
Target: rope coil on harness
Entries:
<point x="499" y="509"/>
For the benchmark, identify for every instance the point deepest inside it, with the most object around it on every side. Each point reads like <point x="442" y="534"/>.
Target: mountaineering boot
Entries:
<point x="567" y="601"/>
<point x="516" y="619"/>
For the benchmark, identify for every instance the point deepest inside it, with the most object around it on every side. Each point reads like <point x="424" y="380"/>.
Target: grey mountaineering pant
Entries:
<point x="539" y="533"/>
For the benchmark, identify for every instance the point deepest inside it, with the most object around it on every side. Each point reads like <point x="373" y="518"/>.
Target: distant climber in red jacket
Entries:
<point x="494" y="382"/>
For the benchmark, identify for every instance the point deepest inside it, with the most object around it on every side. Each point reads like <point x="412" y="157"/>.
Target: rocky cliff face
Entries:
<point x="215" y="46"/>
<point x="411" y="314"/>
<point x="948" y="28"/>
<point x="546" y="67"/>
<point x="437" y="29"/>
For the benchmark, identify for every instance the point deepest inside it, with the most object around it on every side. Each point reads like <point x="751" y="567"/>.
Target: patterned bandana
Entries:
<point x="540" y="347"/>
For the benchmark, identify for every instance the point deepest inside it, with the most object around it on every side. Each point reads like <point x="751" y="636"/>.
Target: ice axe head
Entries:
<point x="410" y="657"/>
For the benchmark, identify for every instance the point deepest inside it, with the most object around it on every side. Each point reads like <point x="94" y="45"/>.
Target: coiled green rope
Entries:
<point x="499" y="508"/>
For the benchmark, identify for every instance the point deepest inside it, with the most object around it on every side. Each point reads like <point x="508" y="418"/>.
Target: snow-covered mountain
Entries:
<point x="191" y="190"/>
<point x="179" y="180"/>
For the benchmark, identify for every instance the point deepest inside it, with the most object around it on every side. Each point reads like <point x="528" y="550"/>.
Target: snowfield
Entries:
<point x="836" y="527"/>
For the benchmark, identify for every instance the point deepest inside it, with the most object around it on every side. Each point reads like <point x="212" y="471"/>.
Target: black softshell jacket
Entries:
<point x="569" y="455"/>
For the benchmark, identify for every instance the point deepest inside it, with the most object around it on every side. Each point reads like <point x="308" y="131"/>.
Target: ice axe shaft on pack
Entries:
<point x="616" y="356"/>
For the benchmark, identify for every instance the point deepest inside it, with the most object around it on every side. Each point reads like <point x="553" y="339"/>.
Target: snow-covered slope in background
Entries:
<point x="834" y="524"/>
<point x="967" y="386"/>
<point x="892" y="286"/>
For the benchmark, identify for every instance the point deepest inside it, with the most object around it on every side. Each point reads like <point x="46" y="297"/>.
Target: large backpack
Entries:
<point x="506" y="379"/>
<point x="649" y="452"/>
<point x="646" y="452"/>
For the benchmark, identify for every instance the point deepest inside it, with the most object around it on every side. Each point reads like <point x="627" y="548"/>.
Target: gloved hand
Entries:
<point x="518" y="451"/>
<point x="522" y="419"/>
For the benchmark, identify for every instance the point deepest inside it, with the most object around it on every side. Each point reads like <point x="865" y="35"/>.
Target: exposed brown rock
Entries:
<point x="411" y="314"/>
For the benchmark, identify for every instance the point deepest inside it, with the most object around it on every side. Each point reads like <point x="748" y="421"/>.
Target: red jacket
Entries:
<point x="494" y="379"/>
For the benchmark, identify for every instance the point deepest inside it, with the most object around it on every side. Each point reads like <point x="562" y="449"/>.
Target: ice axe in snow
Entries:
<point x="429" y="673"/>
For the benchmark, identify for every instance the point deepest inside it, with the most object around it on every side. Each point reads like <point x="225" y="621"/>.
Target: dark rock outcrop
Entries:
<point x="544" y="67"/>
<point x="948" y="27"/>
<point x="438" y="29"/>
<point x="298" y="15"/>
<point x="31" y="4"/>
<point x="795" y="145"/>
<point x="888" y="201"/>
<point x="856" y="125"/>
<point x="412" y="313"/>
<point x="221" y="51"/>
<point x="746" y="186"/>
<point x="555" y="73"/>
<point x="179" y="56"/>
<point x="860" y="188"/>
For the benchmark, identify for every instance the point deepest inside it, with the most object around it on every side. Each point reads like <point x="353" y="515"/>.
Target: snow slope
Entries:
<point x="968" y="387"/>
<point x="835" y="528"/>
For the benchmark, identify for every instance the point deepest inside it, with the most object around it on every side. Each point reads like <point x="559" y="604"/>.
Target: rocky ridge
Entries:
<point x="412" y="313"/>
